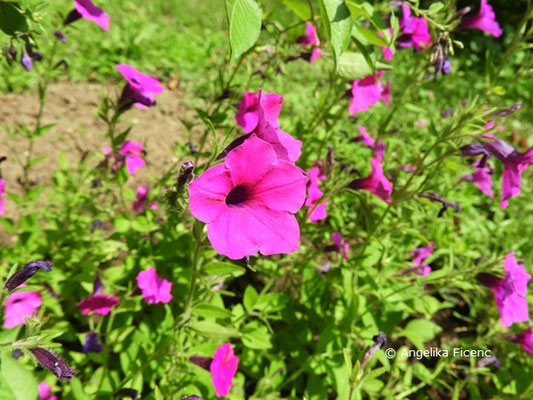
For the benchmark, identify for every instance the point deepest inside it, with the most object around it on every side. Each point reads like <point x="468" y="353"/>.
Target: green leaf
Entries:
<point x="250" y="297"/>
<point x="16" y="382"/>
<point x="300" y="8"/>
<point x="419" y="331"/>
<point x="256" y="337"/>
<point x="338" y="22"/>
<point x="211" y="311"/>
<point x="11" y="19"/>
<point x="213" y="330"/>
<point x="353" y="66"/>
<point x="244" y="21"/>
<point x="220" y="268"/>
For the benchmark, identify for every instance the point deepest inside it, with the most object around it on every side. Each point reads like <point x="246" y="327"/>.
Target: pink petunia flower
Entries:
<point x="485" y="20"/>
<point x="419" y="255"/>
<point x="376" y="183"/>
<point x="223" y="368"/>
<point x="310" y="40"/>
<point x="341" y="245"/>
<point x="248" y="114"/>
<point x="316" y="212"/>
<point x="526" y="340"/>
<point x="482" y="178"/>
<point x="2" y="194"/>
<point x="99" y="303"/>
<point x="154" y="288"/>
<point x="89" y="11"/>
<point x="142" y="197"/>
<point x="140" y="88"/>
<point x="131" y="151"/>
<point x="510" y="292"/>
<point x="367" y="92"/>
<point x="387" y="51"/>
<point x="45" y="392"/>
<point x="249" y="200"/>
<point x="364" y="137"/>
<point x="415" y="31"/>
<point x="20" y="305"/>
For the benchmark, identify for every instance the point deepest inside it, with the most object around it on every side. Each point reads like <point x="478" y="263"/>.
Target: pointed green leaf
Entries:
<point x="244" y="21"/>
<point x="338" y="22"/>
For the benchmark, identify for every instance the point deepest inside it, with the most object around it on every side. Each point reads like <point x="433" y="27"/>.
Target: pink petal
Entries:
<point x="89" y="11"/>
<point x="207" y="193"/>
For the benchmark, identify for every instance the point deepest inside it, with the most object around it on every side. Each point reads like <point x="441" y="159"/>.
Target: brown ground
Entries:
<point x="73" y="107"/>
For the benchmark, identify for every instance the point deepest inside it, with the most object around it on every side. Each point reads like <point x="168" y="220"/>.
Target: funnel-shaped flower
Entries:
<point x="367" y="92"/>
<point x="526" y="340"/>
<point x="415" y="32"/>
<point x="419" y="255"/>
<point x="99" y="303"/>
<point x="248" y="201"/>
<point x="485" y="20"/>
<point x="510" y="292"/>
<point x="140" y="88"/>
<point x="86" y="9"/>
<point x="131" y="151"/>
<point x="310" y="39"/>
<point x="316" y="212"/>
<point x="2" y="194"/>
<point x="142" y="197"/>
<point x="20" y="305"/>
<point x="248" y="114"/>
<point x="22" y="275"/>
<point x="154" y="288"/>
<point x="223" y="368"/>
<point x="376" y="183"/>
<point x="482" y="178"/>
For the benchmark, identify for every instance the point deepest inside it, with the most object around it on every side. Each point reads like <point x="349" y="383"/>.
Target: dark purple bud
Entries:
<point x="192" y="148"/>
<point x="22" y="275"/>
<point x="186" y="173"/>
<point x="225" y="94"/>
<point x="203" y="362"/>
<point x="98" y="224"/>
<point x="446" y="67"/>
<point x="461" y="13"/>
<point x="58" y="34"/>
<point x="91" y="345"/>
<point x="17" y="354"/>
<point x="97" y="286"/>
<point x="51" y="291"/>
<point x="35" y="55"/>
<point x="73" y="16"/>
<point x="446" y="113"/>
<point x="329" y="158"/>
<point x="488" y="280"/>
<point x="474" y="149"/>
<point x="245" y="261"/>
<point x="2" y="159"/>
<point x="500" y="149"/>
<point x="54" y="363"/>
<point x="236" y="143"/>
<point x="380" y="341"/>
<point x="95" y="183"/>
<point x="192" y="397"/>
<point x="26" y="62"/>
<point x="445" y="203"/>
<point x="10" y="53"/>
<point x="491" y="360"/>
<point x="507" y="111"/>
<point x="126" y="392"/>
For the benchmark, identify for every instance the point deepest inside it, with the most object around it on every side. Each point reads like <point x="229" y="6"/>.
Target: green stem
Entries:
<point x="197" y="231"/>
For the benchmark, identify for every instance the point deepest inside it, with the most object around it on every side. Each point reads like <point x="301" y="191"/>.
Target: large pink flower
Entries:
<point x="526" y="340"/>
<point x="376" y="183"/>
<point x="248" y="114"/>
<point x="20" y="305"/>
<point x="99" y="303"/>
<point x="89" y="11"/>
<point x="140" y="88"/>
<point x="45" y="392"/>
<point x="367" y="92"/>
<point x="2" y="193"/>
<point x="154" y="288"/>
<point x="485" y="20"/>
<point x="415" y="32"/>
<point x="510" y="292"/>
<point x="223" y="368"/>
<point x="317" y="212"/>
<point x="248" y="201"/>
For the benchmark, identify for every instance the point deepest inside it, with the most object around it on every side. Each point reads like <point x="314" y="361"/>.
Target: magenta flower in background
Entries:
<point x="510" y="292"/>
<point x="86" y="9"/>
<point x="376" y="183"/>
<point x="387" y="51"/>
<point x="316" y="212"/>
<point x="419" y="255"/>
<point x="310" y="40"/>
<point x="2" y="194"/>
<point x="485" y="20"/>
<point x="223" y="368"/>
<point x="91" y="344"/>
<point x="154" y="288"/>
<point x="140" y="88"/>
<point x="131" y="151"/>
<point x="415" y="32"/>
<point x="249" y="200"/>
<point x="20" y="305"/>
<point x="248" y="114"/>
<point x="526" y="340"/>
<point x="45" y="392"/>
<point x="367" y="92"/>
<point x="482" y="178"/>
<point x="99" y="303"/>
<point x="341" y="245"/>
<point x="142" y="197"/>
<point x="364" y="137"/>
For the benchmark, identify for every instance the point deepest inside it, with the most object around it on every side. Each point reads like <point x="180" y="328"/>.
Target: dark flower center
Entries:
<point x="237" y="195"/>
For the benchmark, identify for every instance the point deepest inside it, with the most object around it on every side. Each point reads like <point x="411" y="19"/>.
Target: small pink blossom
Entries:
<point x="20" y="305"/>
<point x="142" y="197"/>
<point x="387" y="51"/>
<point x="140" y="88"/>
<point x="376" y="183"/>
<point x="223" y="368"/>
<point x="341" y="245"/>
<point x="314" y="194"/>
<point x="89" y="11"/>
<point x="99" y="303"/>
<point x="367" y="92"/>
<point x="365" y="137"/>
<point x="248" y="114"/>
<point x="131" y="151"/>
<point x="310" y="40"/>
<point x="415" y="31"/>
<point x="482" y="178"/>
<point x="154" y="288"/>
<point x="419" y="255"/>
<point x="485" y="20"/>
<point x="526" y="340"/>
<point x="249" y="200"/>
<point x="45" y="392"/>
<point x="2" y="194"/>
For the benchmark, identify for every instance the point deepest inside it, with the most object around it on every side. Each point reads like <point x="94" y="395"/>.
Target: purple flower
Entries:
<point x="26" y="61"/>
<point x="510" y="292"/>
<point x="58" y="34"/>
<point x="485" y="20"/>
<point x="380" y="340"/>
<point x="419" y="255"/>
<point x="482" y="178"/>
<point x="140" y="88"/>
<point x="341" y="245"/>
<point x="22" y="275"/>
<point x="202" y="362"/>
<point x="91" y="345"/>
<point x="526" y="340"/>
<point x="53" y="362"/>
<point x="87" y="10"/>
